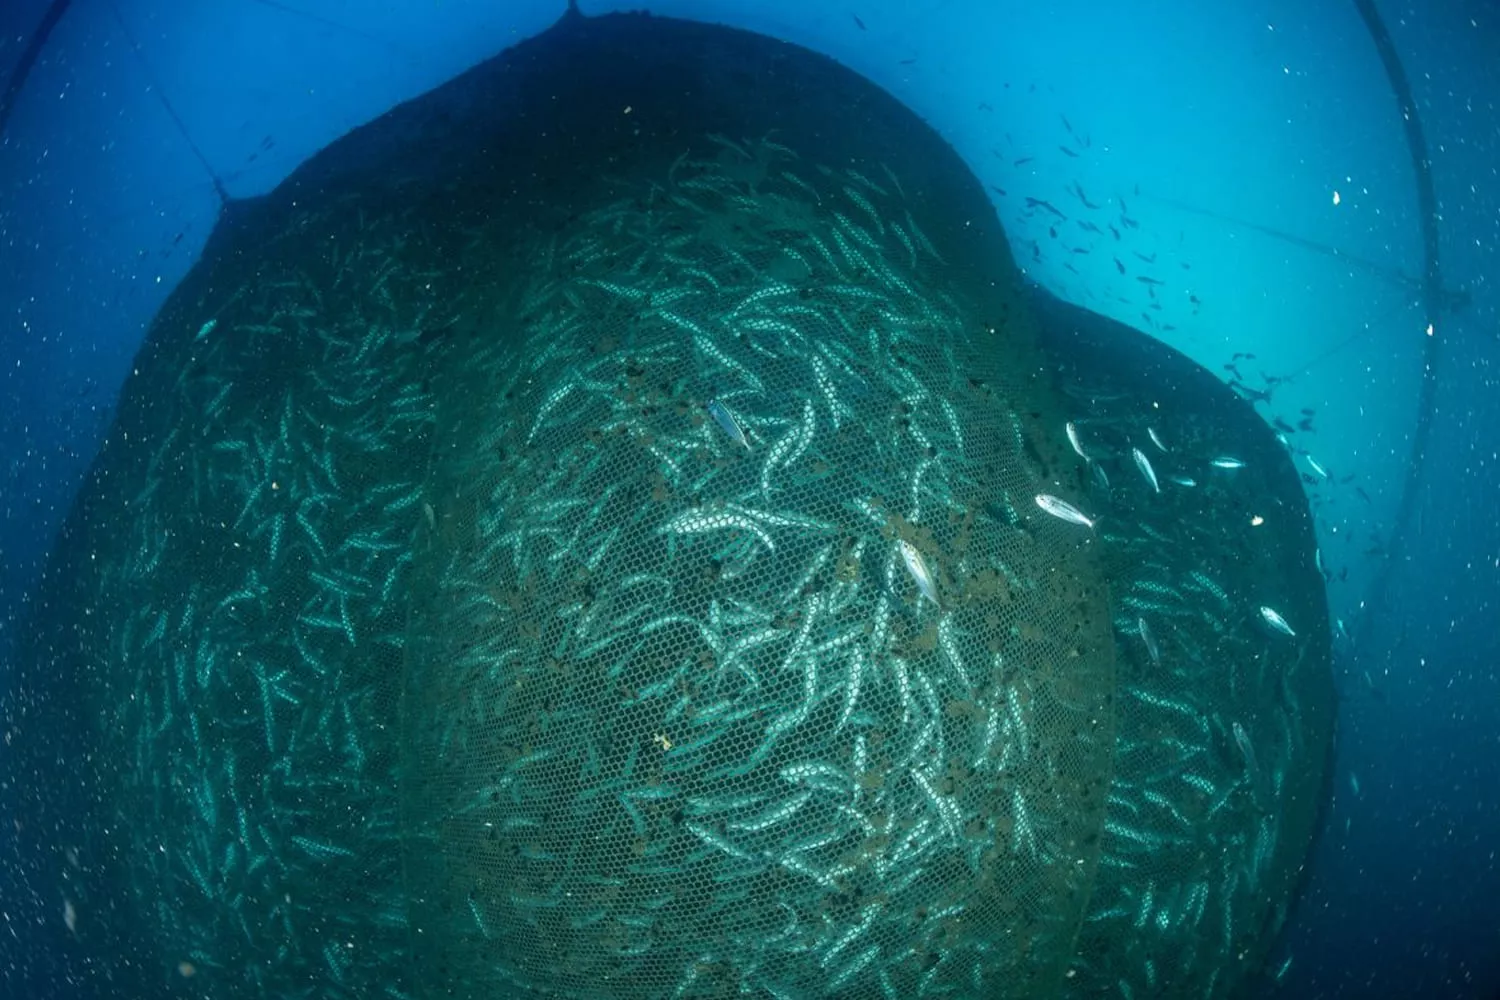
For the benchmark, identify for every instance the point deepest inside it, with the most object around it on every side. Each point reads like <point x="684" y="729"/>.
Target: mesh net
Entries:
<point x="671" y="577"/>
<point x="1223" y="718"/>
<point x="746" y="656"/>
<point x="238" y="569"/>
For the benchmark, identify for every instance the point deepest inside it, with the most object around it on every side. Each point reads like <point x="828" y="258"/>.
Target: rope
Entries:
<point x="28" y="59"/>
<point x="161" y="95"/>
<point x="1432" y="302"/>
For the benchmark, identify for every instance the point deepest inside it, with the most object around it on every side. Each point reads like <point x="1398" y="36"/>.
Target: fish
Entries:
<point x="917" y="567"/>
<point x="1022" y="161"/>
<point x="1155" y="438"/>
<point x="1064" y="510"/>
<point x="1072" y="430"/>
<point x="1068" y="152"/>
<point x="1144" y="464"/>
<point x="1077" y="191"/>
<point x="1152" y="649"/>
<point x="1101" y="477"/>
<point x="1242" y="740"/>
<point x="1275" y="621"/>
<point x="206" y="329"/>
<point x="1316" y="467"/>
<point x="1183" y="480"/>
<point x="1354" y="782"/>
<point x="857" y="22"/>
<point x="1045" y="206"/>
<point x="1119" y="265"/>
<point x="1227" y="462"/>
<point x="728" y="423"/>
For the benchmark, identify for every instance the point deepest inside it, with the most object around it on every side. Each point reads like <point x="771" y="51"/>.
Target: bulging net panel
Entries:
<point x="742" y="657"/>
<point x="239" y="563"/>
<point x="609" y="570"/>
<point x="1224" y="716"/>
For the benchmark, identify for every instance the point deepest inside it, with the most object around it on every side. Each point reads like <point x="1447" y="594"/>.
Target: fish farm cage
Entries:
<point x="605" y="529"/>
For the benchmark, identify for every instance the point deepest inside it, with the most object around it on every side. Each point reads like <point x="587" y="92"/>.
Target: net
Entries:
<point x="1223" y="701"/>
<point x="668" y="559"/>
<point x="744" y="654"/>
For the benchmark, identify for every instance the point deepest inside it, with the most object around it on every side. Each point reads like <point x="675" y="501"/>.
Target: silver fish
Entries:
<point x="1100" y="476"/>
<point x="1073" y="440"/>
<point x="1242" y="740"/>
<point x="1227" y="462"/>
<point x="1152" y="649"/>
<point x="726" y="420"/>
<point x="1063" y="509"/>
<point x="1316" y="467"/>
<point x="917" y="567"/>
<point x="1275" y="621"/>
<point x="1144" y="464"/>
<point x="1183" y="480"/>
<point x="1155" y="438"/>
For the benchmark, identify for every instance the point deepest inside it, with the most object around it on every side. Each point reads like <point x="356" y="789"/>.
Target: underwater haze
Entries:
<point x="969" y="498"/>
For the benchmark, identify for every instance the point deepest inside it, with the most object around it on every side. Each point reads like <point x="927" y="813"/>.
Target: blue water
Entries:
<point x="1243" y="141"/>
